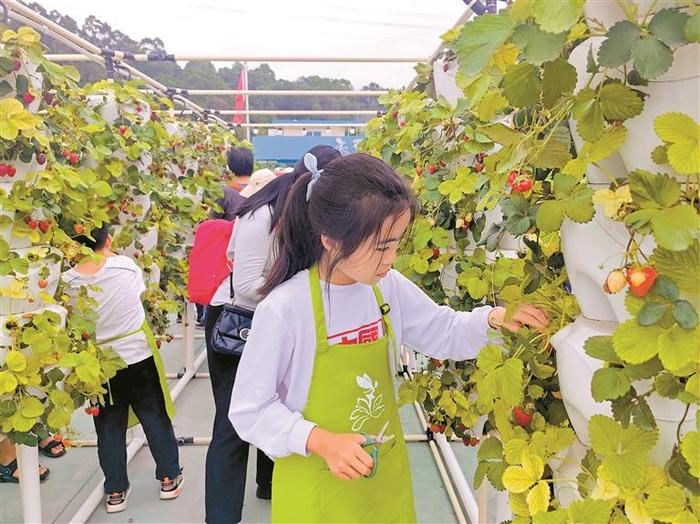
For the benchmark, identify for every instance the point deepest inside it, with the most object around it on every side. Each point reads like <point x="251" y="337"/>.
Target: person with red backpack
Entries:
<point x="251" y="249"/>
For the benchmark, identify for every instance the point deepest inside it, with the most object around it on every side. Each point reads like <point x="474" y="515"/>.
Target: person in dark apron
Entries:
<point x="315" y="387"/>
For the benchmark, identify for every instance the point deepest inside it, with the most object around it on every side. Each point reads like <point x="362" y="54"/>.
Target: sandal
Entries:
<point x="7" y="473"/>
<point x="47" y="450"/>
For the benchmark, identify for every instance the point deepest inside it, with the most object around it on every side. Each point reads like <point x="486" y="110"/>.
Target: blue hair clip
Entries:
<point x="311" y="164"/>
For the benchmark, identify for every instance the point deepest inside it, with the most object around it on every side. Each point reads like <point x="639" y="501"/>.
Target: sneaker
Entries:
<point x="116" y="502"/>
<point x="264" y="493"/>
<point x="171" y="488"/>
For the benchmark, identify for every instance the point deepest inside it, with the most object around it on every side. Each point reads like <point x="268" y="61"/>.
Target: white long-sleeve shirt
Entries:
<point x="250" y="247"/>
<point x="274" y="375"/>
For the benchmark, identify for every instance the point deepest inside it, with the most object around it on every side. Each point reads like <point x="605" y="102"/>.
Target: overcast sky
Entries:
<point x="286" y="28"/>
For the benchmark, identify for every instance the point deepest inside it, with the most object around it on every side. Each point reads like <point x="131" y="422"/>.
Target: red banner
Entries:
<point x="239" y="100"/>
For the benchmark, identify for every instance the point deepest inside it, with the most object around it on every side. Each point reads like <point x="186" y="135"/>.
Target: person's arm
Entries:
<point x="443" y="333"/>
<point x="257" y="411"/>
<point x="221" y="204"/>
<point x="252" y="245"/>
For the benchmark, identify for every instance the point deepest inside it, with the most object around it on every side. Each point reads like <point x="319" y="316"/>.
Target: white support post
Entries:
<point x="188" y="329"/>
<point x="28" y="467"/>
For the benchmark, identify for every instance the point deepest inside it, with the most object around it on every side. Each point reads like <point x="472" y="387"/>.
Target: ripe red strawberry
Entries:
<point x="524" y="186"/>
<point x="40" y="159"/>
<point x="11" y="170"/>
<point x="43" y="283"/>
<point x="73" y="158"/>
<point x="28" y="97"/>
<point x="137" y="254"/>
<point x="33" y="224"/>
<point x="4" y="168"/>
<point x="522" y="418"/>
<point x="641" y="279"/>
<point x="438" y="428"/>
<point x="158" y="344"/>
<point x="79" y="228"/>
<point x="436" y="253"/>
<point x="85" y="335"/>
<point x="511" y="178"/>
<point x="436" y="362"/>
<point x="65" y="153"/>
<point x="44" y="225"/>
<point x="432" y="168"/>
<point x="395" y="115"/>
<point x="402" y="123"/>
<point x="122" y="129"/>
<point x="479" y="167"/>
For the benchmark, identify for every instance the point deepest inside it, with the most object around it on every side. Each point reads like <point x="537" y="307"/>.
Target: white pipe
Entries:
<point x="308" y="125"/>
<point x="231" y="58"/>
<point x="279" y="92"/>
<point x="204" y="441"/>
<point x="438" y="462"/>
<point x="197" y="335"/>
<point x="458" y="479"/>
<point x="28" y="469"/>
<point x="180" y="375"/>
<point x="456" y="473"/>
<point x="308" y="112"/>
<point x="188" y="328"/>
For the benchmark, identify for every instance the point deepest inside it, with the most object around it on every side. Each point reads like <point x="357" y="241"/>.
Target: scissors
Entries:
<point x="376" y="441"/>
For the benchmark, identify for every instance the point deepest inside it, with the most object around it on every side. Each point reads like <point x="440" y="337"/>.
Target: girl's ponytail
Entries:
<point x="298" y="246"/>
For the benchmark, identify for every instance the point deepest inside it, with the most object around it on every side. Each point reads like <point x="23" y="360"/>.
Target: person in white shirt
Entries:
<point x="314" y="388"/>
<point x="251" y="250"/>
<point x="116" y="283"/>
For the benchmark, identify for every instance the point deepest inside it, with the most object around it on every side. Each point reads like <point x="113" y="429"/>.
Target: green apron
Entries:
<point x="351" y="391"/>
<point x="151" y="341"/>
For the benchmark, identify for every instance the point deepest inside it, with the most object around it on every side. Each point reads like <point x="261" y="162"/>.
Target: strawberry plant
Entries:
<point x="547" y="101"/>
<point x="71" y="159"/>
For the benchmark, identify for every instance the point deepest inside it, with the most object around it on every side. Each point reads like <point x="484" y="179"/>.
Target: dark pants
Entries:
<point x="137" y="386"/>
<point x="227" y="457"/>
<point x="201" y="313"/>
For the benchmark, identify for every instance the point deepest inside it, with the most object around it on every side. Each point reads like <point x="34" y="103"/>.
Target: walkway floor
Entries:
<point x="74" y="476"/>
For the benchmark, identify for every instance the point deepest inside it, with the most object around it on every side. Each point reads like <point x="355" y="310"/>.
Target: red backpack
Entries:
<point x="208" y="263"/>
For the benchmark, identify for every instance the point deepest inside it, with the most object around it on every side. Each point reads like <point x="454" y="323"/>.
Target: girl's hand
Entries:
<point x="342" y="452"/>
<point x="525" y="315"/>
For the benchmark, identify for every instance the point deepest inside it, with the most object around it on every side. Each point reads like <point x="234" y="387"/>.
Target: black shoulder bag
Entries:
<point x="232" y="328"/>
